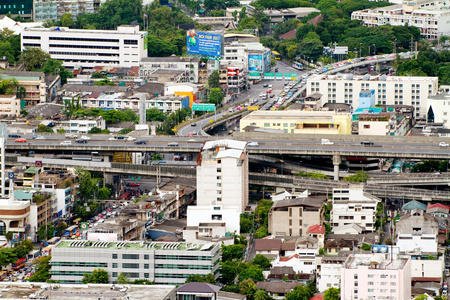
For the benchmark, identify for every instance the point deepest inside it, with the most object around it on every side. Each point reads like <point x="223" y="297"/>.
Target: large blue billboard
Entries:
<point x="267" y="61"/>
<point x="255" y="63"/>
<point x="204" y="43"/>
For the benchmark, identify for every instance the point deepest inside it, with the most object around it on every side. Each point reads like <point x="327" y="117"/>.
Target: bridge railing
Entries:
<point x="177" y="171"/>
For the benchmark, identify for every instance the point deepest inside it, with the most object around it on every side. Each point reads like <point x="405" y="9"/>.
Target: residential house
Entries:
<point x="353" y="206"/>
<point x="282" y="273"/>
<point x="205" y="291"/>
<point x="438" y="210"/>
<point x="417" y="231"/>
<point x="268" y="247"/>
<point x="414" y="204"/>
<point x="292" y="217"/>
<point x="333" y="247"/>
<point x="276" y="289"/>
<point x="318" y="232"/>
<point x="303" y="260"/>
<point x="33" y="82"/>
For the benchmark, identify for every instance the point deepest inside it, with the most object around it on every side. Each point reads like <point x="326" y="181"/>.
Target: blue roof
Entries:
<point x="22" y="195"/>
<point x="414" y="205"/>
<point x="371" y="110"/>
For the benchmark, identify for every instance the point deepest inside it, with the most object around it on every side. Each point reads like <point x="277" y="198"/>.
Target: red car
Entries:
<point x="269" y="91"/>
<point x="20" y="140"/>
<point x="133" y="184"/>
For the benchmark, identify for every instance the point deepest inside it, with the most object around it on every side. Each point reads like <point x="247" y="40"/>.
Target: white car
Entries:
<point x="40" y="137"/>
<point x="130" y="138"/>
<point x="66" y="143"/>
<point x="112" y="139"/>
<point x="443" y="144"/>
<point x="85" y="137"/>
<point x="252" y="144"/>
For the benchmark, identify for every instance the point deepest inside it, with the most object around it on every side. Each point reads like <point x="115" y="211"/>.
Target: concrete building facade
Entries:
<point x="9" y="105"/>
<point x="33" y="82"/>
<point x="389" y="90"/>
<point x="376" y="276"/>
<point x="162" y="262"/>
<point x="85" y="48"/>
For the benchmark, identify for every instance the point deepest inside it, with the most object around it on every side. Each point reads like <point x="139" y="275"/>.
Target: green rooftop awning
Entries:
<point x="201" y="11"/>
<point x="32" y="170"/>
<point x="22" y="195"/>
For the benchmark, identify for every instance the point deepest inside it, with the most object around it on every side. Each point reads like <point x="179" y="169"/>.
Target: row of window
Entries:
<point x="31" y="37"/>
<point x="79" y="264"/>
<point x="84" y="53"/>
<point x="57" y="38"/>
<point x="182" y="257"/>
<point x="84" y="46"/>
<point x="183" y="267"/>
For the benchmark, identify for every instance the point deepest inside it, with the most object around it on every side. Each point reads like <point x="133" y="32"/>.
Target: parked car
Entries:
<point x="14" y="135"/>
<point x="66" y="143"/>
<point x="21" y="140"/>
<point x="140" y="142"/>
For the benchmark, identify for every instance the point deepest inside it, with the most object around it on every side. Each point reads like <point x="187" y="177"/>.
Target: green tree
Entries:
<point x="97" y="276"/>
<point x="262" y="261"/>
<point x="104" y="82"/>
<point x="88" y="184"/>
<point x="262" y="211"/>
<point x="229" y="271"/>
<point x="22" y="248"/>
<point x="332" y="294"/>
<point x="97" y="75"/>
<point x="95" y="130"/>
<point x="125" y="131"/>
<point x="154" y="114"/>
<point x="66" y="20"/>
<point x="215" y="96"/>
<point x="24" y="112"/>
<point x="103" y="193"/>
<point x="246" y="223"/>
<point x="253" y="272"/>
<point x="360" y="176"/>
<point x="55" y="67"/>
<point x="214" y="80"/>
<point x="42" y="266"/>
<point x="262" y="295"/>
<point x="232" y="252"/>
<point x="60" y="228"/>
<point x="261" y="232"/>
<point x="208" y="278"/>
<point x="122" y="278"/>
<point x="157" y="157"/>
<point x="34" y="58"/>
<point x="366" y="247"/>
<point x="42" y="229"/>
<point x="43" y="128"/>
<point x="248" y="288"/>
<point x="300" y="292"/>
<point x="7" y="256"/>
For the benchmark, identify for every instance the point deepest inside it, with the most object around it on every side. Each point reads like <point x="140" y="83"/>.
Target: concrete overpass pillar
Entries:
<point x="106" y="158"/>
<point x="108" y="178"/>
<point x="336" y="163"/>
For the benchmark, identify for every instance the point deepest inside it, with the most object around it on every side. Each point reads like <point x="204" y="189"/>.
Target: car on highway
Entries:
<point x="121" y="137"/>
<point x="40" y="137"/>
<point x="193" y="124"/>
<point x="81" y="141"/>
<point x="133" y="184"/>
<point x="112" y="139"/>
<point x="140" y="142"/>
<point x="66" y="143"/>
<point x="14" y="135"/>
<point x="443" y="144"/>
<point x="130" y="138"/>
<point x="265" y="85"/>
<point x="85" y="137"/>
<point x="252" y="144"/>
<point x="21" y="140"/>
<point x="172" y="144"/>
<point x="367" y="143"/>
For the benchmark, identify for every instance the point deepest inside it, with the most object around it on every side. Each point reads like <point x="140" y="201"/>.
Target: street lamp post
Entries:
<point x="360" y="50"/>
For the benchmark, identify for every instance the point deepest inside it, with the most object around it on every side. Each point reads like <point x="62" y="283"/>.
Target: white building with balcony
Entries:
<point x="389" y="90"/>
<point x="353" y="206"/>
<point x="9" y="105"/>
<point x="124" y="47"/>
<point x="431" y="17"/>
<point x="329" y="272"/>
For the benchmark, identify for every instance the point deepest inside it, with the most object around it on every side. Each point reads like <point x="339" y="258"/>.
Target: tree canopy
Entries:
<point x="97" y="276"/>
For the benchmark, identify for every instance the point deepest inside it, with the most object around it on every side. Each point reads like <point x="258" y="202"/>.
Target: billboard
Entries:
<point x="204" y="43"/>
<point x="340" y="50"/>
<point x="233" y="71"/>
<point x="255" y="63"/>
<point x="266" y="60"/>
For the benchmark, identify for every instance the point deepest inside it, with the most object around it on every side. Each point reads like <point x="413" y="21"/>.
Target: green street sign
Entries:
<point x="203" y="107"/>
<point x="290" y="75"/>
<point x="254" y="75"/>
<point x="279" y="76"/>
<point x="269" y="75"/>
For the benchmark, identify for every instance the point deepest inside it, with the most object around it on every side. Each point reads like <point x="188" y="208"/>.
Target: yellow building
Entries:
<point x="295" y="121"/>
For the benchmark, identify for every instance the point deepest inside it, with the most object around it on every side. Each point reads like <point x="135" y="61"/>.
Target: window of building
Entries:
<point x="266" y="124"/>
<point x="370" y="290"/>
<point x="146" y="275"/>
<point x="114" y="256"/>
<point x="355" y="276"/>
<point x="366" y="126"/>
<point x="370" y="282"/>
<point x="130" y="266"/>
<point x="114" y="274"/>
<point x="290" y="222"/>
<point x="146" y="256"/>
<point x="146" y="266"/>
<point x="393" y="291"/>
<point x="130" y="256"/>
<point x="115" y="265"/>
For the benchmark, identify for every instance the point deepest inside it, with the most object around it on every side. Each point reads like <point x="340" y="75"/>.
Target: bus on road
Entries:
<point x="19" y="264"/>
<point x="276" y="55"/>
<point x="297" y="65"/>
<point x="70" y="231"/>
<point x="52" y="241"/>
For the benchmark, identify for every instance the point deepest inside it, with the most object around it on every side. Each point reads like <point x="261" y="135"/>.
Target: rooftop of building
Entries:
<point x="122" y="29"/>
<point x="340" y="243"/>
<point x="85" y="88"/>
<point x="312" y="201"/>
<point x="423" y="6"/>
<point x="295" y="115"/>
<point x="135" y="245"/>
<point x="440" y="96"/>
<point x="414" y="204"/>
<point x="198" y="287"/>
<point x="21" y="73"/>
<point x="367" y="77"/>
<point x="316" y="229"/>
<point x="172" y="58"/>
<point x="438" y="205"/>
<point x="23" y="290"/>
<point x="267" y="244"/>
<point x="167" y="72"/>
<point x="376" y="261"/>
<point x="276" y="287"/>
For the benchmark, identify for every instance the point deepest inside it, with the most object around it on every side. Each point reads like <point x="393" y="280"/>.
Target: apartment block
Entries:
<point x="329" y="272"/>
<point x="54" y="9"/>
<point x="376" y="276"/>
<point x="162" y="262"/>
<point x="190" y="66"/>
<point x="389" y="90"/>
<point x="293" y="217"/>
<point x="85" y="48"/>
<point x="9" y="105"/>
<point x="431" y="17"/>
<point x="354" y="206"/>
<point x="33" y="82"/>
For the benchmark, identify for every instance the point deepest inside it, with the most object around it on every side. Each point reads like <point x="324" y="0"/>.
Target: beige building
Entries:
<point x="295" y="121"/>
<point x="293" y="217"/>
<point x="14" y="215"/>
<point x="33" y="82"/>
<point x="9" y="105"/>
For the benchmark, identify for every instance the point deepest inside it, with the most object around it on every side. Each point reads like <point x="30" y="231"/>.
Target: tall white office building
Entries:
<point x="222" y="190"/>
<point x="123" y="47"/>
<point x="389" y="90"/>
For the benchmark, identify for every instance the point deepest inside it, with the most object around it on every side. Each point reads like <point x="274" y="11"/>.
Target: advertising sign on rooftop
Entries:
<point x="204" y="43"/>
<point x="340" y="50"/>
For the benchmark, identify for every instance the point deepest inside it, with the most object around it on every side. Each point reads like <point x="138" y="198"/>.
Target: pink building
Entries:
<point x="376" y="276"/>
